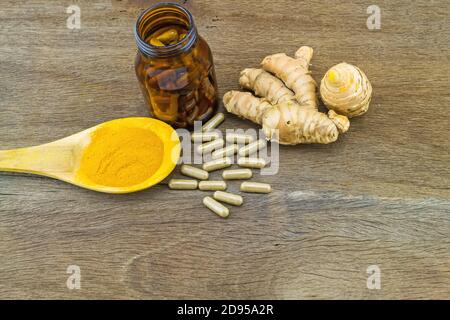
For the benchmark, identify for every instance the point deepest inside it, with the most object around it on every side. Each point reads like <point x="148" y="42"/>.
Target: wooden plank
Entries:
<point x="380" y="195"/>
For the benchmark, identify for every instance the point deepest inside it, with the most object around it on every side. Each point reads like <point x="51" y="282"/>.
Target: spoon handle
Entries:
<point x="49" y="160"/>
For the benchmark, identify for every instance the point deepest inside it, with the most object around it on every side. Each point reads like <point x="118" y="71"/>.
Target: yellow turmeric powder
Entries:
<point x="121" y="156"/>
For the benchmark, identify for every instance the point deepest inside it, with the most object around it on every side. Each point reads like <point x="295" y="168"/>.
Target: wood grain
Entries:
<point x="380" y="195"/>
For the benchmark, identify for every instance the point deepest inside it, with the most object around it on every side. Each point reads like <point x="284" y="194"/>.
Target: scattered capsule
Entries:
<point x="213" y="122"/>
<point x="183" y="184"/>
<point x="236" y="174"/>
<point x="256" y="163"/>
<point x="205" y="136"/>
<point x="239" y="138"/>
<point x="225" y="152"/>
<point x="255" y="187"/>
<point x="210" y="146"/>
<point x="252" y="147"/>
<point x="212" y="185"/>
<point x="156" y="42"/>
<point x="216" y="207"/>
<point x="194" y="172"/>
<point x="227" y="197"/>
<point x="168" y="36"/>
<point x="217" y="164"/>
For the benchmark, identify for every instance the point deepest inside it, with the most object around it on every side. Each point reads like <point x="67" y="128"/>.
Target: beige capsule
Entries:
<point x="239" y="138"/>
<point x="227" y="197"/>
<point x="255" y="187"/>
<point x="183" y="184"/>
<point x="212" y="185"/>
<point x="210" y="146"/>
<point x="205" y="136"/>
<point x="225" y="152"/>
<point x="252" y="147"/>
<point x="213" y="122"/>
<point x="216" y="207"/>
<point x="194" y="172"/>
<point x="217" y="164"/>
<point x="235" y="174"/>
<point x="256" y="163"/>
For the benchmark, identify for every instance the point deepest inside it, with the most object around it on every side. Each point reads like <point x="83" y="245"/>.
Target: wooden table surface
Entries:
<point x="379" y="196"/>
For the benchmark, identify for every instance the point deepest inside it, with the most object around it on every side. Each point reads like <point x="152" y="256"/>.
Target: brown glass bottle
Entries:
<point x="178" y="80"/>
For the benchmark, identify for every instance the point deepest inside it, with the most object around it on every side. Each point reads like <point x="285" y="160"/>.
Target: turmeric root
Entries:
<point x="287" y="122"/>
<point x="346" y="90"/>
<point x="285" y="116"/>
<point x="246" y="105"/>
<point x="341" y="122"/>
<point x="265" y="85"/>
<point x="295" y="74"/>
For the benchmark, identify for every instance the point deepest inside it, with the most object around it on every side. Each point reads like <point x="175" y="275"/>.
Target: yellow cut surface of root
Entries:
<point x="286" y="122"/>
<point x="294" y="72"/>
<point x="346" y="90"/>
<point x="265" y="85"/>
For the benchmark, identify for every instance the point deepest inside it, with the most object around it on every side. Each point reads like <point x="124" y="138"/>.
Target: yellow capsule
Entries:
<point x="217" y="164"/>
<point x="212" y="185"/>
<point x="205" y="136"/>
<point x="227" y="197"/>
<point x="183" y="184"/>
<point x="225" y="152"/>
<point x="213" y="122"/>
<point x="216" y="207"/>
<point x="236" y="174"/>
<point x="256" y="163"/>
<point x="239" y="138"/>
<point x="210" y="146"/>
<point x="168" y="36"/>
<point x="155" y="42"/>
<point x="255" y="187"/>
<point x="194" y="172"/>
<point x="252" y="147"/>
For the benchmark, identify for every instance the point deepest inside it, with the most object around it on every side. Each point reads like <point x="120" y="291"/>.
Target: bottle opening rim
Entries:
<point x="169" y="50"/>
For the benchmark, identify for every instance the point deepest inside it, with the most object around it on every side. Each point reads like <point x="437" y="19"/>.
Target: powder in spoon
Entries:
<point x="121" y="156"/>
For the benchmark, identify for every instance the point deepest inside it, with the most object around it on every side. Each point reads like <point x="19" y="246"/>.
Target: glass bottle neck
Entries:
<point x="160" y="16"/>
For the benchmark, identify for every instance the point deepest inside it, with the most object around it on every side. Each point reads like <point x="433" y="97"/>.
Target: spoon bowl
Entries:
<point x="61" y="159"/>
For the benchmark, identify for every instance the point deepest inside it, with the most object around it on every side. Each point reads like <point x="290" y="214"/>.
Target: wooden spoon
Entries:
<point x="60" y="159"/>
